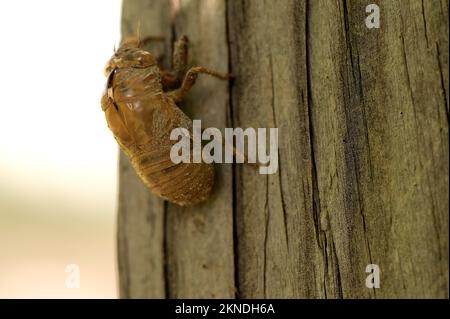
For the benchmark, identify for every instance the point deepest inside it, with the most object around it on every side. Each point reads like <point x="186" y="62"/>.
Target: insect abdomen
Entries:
<point x="183" y="183"/>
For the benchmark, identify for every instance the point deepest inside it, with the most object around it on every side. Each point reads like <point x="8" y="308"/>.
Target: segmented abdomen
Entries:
<point x="183" y="183"/>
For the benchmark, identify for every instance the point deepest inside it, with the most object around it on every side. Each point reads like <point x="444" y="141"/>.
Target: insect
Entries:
<point x="139" y="102"/>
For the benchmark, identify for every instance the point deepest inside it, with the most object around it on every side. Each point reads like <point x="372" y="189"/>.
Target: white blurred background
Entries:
<point x="57" y="157"/>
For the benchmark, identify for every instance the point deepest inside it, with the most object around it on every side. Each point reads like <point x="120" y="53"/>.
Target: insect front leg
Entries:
<point x="173" y="79"/>
<point x="189" y="81"/>
<point x="169" y="80"/>
<point x="180" y="57"/>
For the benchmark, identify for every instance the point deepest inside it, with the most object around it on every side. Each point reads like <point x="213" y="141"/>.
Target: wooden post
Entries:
<point x="363" y="154"/>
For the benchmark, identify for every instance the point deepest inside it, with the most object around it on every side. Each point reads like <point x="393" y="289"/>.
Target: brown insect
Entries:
<point x="140" y="107"/>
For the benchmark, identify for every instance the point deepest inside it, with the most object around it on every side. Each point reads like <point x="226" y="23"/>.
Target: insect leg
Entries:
<point x="180" y="57"/>
<point x="169" y="81"/>
<point x="173" y="79"/>
<point x="240" y="155"/>
<point x="189" y="80"/>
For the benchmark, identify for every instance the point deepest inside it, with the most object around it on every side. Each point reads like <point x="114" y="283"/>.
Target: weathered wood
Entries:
<point x="200" y="238"/>
<point x="363" y="150"/>
<point x="277" y="250"/>
<point x="183" y="250"/>
<point x="141" y="217"/>
<point x="380" y="133"/>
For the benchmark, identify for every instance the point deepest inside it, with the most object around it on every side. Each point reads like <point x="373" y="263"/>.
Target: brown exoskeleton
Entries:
<point x="140" y="107"/>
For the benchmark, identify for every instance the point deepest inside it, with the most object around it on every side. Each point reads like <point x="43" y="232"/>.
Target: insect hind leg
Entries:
<point x="189" y="81"/>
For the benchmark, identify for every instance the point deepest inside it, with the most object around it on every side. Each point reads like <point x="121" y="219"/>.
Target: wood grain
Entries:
<point x="277" y="249"/>
<point x="381" y="145"/>
<point x="141" y="215"/>
<point x="363" y="151"/>
<point x="200" y="238"/>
